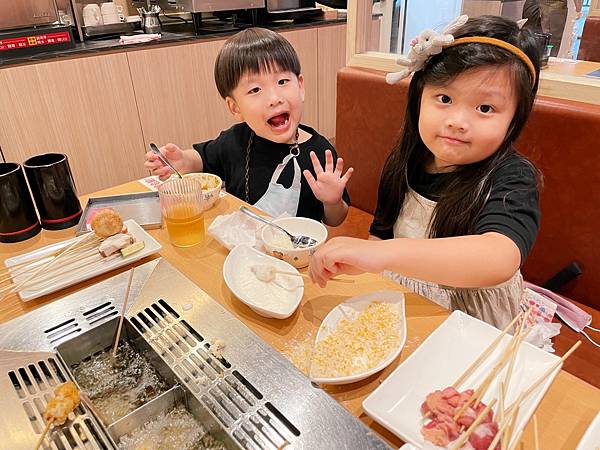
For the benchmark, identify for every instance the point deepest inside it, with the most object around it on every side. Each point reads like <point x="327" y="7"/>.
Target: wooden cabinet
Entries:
<point x="103" y="111"/>
<point x="176" y="94"/>
<point x="82" y="107"/>
<point x="331" y="50"/>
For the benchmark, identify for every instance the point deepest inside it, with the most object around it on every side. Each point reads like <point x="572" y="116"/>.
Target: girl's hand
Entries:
<point x="173" y="154"/>
<point x="329" y="185"/>
<point x="345" y="255"/>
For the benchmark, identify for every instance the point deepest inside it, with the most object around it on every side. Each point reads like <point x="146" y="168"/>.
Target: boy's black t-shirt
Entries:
<point x="225" y="156"/>
<point x="512" y="208"/>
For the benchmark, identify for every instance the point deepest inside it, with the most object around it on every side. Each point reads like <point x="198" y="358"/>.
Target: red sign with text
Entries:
<point x="34" y="41"/>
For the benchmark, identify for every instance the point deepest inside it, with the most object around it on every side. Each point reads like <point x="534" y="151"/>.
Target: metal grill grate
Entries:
<point x="99" y="313"/>
<point x="233" y="400"/>
<point x="59" y="332"/>
<point x="34" y="385"/>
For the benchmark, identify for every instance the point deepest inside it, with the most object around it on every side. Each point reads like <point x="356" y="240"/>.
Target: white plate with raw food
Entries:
<point x="440" y="360"/>
<point x="375" y="322"/>
<point x="591" y="438"/>
<point x="75" y="270"/>
<point x="277" y="298"/>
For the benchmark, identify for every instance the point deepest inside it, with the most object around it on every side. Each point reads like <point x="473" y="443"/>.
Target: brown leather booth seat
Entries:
<point x="589" y="47"/>
<point x="562" y="138"/>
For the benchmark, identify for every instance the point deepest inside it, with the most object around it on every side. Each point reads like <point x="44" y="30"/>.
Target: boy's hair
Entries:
<point x="458" y="207"/>
<point x="253" y="51"/>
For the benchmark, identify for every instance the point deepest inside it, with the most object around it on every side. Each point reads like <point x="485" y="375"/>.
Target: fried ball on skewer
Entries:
<point x="106" y="222"/>
<point x="65" y="400"/>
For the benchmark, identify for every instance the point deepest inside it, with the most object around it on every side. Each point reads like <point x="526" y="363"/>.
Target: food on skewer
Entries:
<point x="65" y="400"/>
<point x="107" y="222"/>
<point x="264" y="272"/>
<point x="115" y="243"/>
<point x="442" y="429"/>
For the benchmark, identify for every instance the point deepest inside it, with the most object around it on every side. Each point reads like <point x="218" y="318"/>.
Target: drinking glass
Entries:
<point x="182" y="205"/>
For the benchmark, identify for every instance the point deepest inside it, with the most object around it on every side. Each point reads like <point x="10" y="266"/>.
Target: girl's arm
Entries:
<point x="465" y="261"/>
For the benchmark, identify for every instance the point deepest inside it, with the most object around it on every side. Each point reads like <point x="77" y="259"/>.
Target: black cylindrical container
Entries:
<point x="53" y="189"/>
<point x="18" y="219"/>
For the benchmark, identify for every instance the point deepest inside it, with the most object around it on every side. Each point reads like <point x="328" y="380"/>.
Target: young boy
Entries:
<point x="257" y="73"/>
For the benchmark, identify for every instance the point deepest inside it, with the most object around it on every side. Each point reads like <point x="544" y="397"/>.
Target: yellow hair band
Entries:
<point x="498" y="43"/>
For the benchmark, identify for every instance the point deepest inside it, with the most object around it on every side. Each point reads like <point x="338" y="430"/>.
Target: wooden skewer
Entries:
<point x="74" y="256"/>
<point x="483" y="387"/>
<point x="64" y="251"/>
<point x="304" y="275"/>
<point x="48" y="279"/>
<point x="503" y="425"/>
<point x="114" y="352"/>
<point x="545" y="375"/>
<point x="69" y="264"/>
<point x="516" y="441"/>
<point x="500" y="412"/>
<point x="463" y="437"/>
<point x="41" y="438"/>
<point x="517" y="345"/>
<point x="536" y="437"/>
<point x="15" y="267"/>
<point x="467" y="373"/>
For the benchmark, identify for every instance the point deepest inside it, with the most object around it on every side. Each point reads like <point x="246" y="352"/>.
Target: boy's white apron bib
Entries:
<point x="278" y="200"/>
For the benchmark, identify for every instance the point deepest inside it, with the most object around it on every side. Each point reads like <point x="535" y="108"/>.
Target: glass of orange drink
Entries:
<point x="182" y="205"/>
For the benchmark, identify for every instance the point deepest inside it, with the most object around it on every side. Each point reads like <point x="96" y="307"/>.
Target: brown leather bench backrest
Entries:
<point x="562" y="138"/>
<point x="589" y="47"/>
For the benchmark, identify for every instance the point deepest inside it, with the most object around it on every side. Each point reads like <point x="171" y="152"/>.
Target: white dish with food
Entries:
<point x="276" y="296"/>
<point x="211" y="187"/>
<point x="336" y="358"/>
<point x="81" y="266"/>
<point x="279" y="245"/>
<point x="591" y="438"/>
<point x="440" y="360"/>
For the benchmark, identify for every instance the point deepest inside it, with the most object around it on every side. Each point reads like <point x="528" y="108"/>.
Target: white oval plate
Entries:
<point x="240" y="280"/>
<point x="352" y="307"/>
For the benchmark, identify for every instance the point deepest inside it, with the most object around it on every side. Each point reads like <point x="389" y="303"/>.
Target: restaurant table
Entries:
<point x="563" y="416"/>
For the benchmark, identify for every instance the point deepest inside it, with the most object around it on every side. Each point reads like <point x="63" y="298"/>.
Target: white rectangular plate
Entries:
<point x="69" y="279"/>
<point x="591" y="438"/>
<point x="438" y="363"/>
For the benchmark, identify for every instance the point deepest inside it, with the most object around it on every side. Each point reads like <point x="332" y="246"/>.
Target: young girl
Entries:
<point x="460" y="203"/>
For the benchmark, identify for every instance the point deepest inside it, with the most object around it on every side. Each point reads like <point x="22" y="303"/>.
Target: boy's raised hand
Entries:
<point x="173" y="154"/>
<point x="329" y="185"/>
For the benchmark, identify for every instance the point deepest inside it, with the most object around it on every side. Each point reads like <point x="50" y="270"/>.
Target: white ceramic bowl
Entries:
<point x="211" y="187"/>
<point x="266" y="299"/>
<point x="297" y="257"/>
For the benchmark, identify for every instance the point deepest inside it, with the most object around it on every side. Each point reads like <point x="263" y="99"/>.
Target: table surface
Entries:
<point x="563" y="416"/>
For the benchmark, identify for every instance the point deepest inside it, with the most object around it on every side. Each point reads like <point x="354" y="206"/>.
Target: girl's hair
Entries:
<point x="253" y="51"/>
<point x="461" y="202"/>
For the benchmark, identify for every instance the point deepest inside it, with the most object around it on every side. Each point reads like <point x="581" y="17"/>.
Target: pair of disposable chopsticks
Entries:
<point x="11" y="289"/>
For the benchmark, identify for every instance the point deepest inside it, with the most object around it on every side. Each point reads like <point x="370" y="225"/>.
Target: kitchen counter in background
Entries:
<point x="102" y="103"/>
<point x="168" y="37"/>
